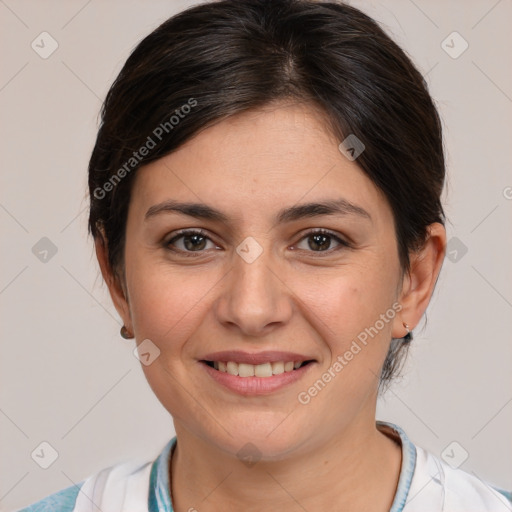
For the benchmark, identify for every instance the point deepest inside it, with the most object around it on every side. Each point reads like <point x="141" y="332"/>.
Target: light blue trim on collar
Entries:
<point x="407" y="469"/>
<point x="159" y="485"/>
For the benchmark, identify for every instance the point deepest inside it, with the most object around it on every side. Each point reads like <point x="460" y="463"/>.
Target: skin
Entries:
<point x="327" y="454"/>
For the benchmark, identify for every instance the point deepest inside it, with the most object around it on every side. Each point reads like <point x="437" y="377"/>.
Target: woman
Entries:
<point x="265" y="205"/>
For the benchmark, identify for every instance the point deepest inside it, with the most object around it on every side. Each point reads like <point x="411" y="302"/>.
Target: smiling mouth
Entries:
<point x="256" y="370"/>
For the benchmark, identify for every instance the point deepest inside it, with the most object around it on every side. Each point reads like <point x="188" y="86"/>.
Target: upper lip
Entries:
<point x="255" y="358"/>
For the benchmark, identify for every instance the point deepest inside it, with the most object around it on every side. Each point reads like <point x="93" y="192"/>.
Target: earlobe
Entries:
<point x="112" y="281"/>
<point x="419" y="284"/>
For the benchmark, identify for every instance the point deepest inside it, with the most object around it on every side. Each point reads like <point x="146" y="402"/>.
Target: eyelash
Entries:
<point x="200" y="232"/>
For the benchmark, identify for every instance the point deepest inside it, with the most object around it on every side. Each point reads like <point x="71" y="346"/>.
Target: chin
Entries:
<point x="261" y="439"/>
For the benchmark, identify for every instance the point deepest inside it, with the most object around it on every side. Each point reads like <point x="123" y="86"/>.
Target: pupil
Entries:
<point x="320" y="240"/>
<point x="196" y="242"/>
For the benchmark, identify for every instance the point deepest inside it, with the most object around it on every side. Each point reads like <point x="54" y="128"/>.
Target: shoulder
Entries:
<point x="115" y="482"/>
<point x="468" y="490"/>
<point x="134" y="484"/>
<point x="62" y="501"/>
<point x="453" y="489"/>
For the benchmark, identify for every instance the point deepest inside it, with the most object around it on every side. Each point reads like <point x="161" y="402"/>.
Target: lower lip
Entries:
<point x="256" y="385"/>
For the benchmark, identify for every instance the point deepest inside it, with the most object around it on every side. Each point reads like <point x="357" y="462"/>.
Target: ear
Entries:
<point x="115" y="286"/>
<point x="418" y="285"/>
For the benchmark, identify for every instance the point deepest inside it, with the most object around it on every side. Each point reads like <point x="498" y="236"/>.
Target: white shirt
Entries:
<point x="426" y="484"/>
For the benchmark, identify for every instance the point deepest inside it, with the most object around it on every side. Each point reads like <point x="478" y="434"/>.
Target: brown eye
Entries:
<point x="189" y="241"/>
<point x="322" y="241"/>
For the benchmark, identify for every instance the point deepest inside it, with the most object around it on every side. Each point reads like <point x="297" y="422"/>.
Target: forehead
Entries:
<point x="258" y="161"/>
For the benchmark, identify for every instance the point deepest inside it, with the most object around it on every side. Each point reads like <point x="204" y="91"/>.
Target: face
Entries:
<point x="256" y="274"/>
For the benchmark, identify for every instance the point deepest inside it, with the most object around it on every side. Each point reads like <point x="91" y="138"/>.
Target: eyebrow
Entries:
<point x="307" y="210"/>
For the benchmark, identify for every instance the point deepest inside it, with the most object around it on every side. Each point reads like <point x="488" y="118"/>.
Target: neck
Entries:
<point x="358" y="470"/>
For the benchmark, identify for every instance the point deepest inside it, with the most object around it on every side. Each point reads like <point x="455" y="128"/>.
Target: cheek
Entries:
<point x="353" y="316"/>
<point x="167" y="307"/>
<point x="166" y="304"/>
<point x="345" y="302"/>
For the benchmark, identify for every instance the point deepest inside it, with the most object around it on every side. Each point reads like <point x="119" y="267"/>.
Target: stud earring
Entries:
<point x="125" y="333"/>
<point x="408" y="336"/>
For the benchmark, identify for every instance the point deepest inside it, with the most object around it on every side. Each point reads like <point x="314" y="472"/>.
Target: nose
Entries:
<point x="254" y="298"/>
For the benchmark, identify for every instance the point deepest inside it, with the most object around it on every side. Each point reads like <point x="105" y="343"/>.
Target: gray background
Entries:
<point x="67" y="377"/>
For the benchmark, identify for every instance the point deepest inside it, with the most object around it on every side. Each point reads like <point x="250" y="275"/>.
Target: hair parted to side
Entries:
<point x="225" y="57"/>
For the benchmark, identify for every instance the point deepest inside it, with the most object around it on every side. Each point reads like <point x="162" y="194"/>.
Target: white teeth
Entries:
<point x="278" y="368"/>
<point x="263" y="370"/>
<point x="258" y="370"/>
<point x="245" y="370"/>
<point x="232" y="368"/>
